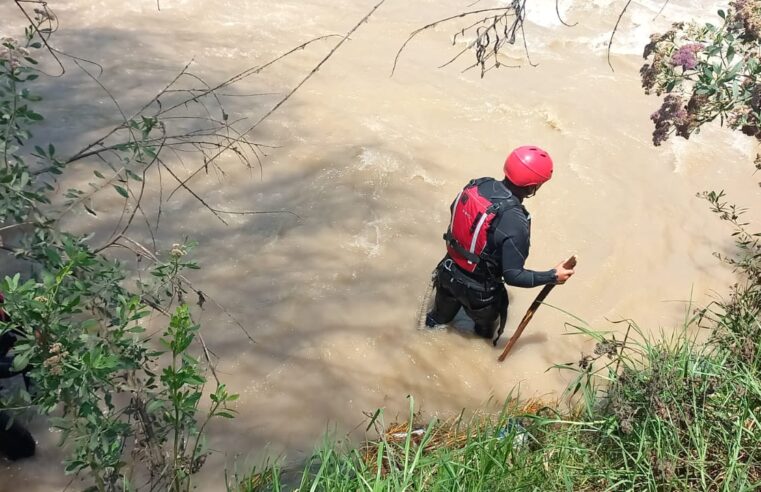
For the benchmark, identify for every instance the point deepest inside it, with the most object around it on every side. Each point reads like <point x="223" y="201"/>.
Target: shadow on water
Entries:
<point x="262" y="268"/>
<point x="293" y="282"/>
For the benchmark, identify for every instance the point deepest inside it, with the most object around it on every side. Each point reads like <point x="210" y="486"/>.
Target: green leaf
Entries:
<point x="20" y="361"/>
<point x="195" y="379"/>
<point x="53" y="256"/>
<point x="99" y="174"/>
<point x="154" y="405"/>
<point x="121" y="191"/>
<point x="140" y="314"/>
<point x="14" y="281"/>
<point x="133" y="175"/>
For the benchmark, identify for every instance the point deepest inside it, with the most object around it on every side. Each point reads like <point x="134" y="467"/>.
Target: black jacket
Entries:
<point x="508" y="242"/>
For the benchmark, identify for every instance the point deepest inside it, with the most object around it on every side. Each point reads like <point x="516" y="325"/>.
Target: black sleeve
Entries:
<point x="512" y="234"/>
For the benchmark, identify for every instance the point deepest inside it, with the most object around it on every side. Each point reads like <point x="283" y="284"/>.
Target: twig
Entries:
<point x="125" y="124"/>
<point x="36" y="28"/>
<point x="248" y="72"/>
<point x="525" y="46"/>
<point x="208" y="357"/>
<point x="12" y="226"/>
<point x="493" y="31"/>
<point x="257" y="212"/>
<point x="161" y="197"/>
<point x="623" y="346"/>
<point x="86" y="196"/>
<point x="661" y="10"/>
<point x="434" y="24"/>
<point x="220" y="307"/>
<point x="615" y="28"/>
<point x="84" y="152"/>
<point x="139" y="198"/>
<point x="193" y="193"/>
<point x="557" y="11"/>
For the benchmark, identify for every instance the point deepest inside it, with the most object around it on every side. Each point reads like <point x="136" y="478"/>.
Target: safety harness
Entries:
<point x="472" y="216"/>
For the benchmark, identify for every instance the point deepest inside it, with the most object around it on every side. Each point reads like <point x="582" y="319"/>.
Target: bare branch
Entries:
<point x="193" y="193"/>
<point x="99" y="141"/>
<point x="43" y="34"/>
<point x="613" y="33"/>
<point x="663" y="7"/>
<point x="257" y="212"/>
<point x="560" y="18"/>
<point x="138" y="199"/>
<point x="436" y="23"/>
<point x="287" y="96"/>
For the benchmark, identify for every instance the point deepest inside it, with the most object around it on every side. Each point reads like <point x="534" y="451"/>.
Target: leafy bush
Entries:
<point x="130" y="407"/>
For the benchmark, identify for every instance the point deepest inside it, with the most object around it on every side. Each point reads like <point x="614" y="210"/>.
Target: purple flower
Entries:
<point x="672" y="113"/>
<point x="686" y="56"/>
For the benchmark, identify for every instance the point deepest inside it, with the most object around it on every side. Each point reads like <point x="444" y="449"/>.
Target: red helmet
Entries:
<point x="528" y="166"/>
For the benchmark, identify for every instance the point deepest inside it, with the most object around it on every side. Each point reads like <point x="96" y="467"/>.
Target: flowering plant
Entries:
<point x="707" y="72"/>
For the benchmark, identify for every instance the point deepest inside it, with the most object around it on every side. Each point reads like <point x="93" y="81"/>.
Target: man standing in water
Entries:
<point x="488" y="241"/>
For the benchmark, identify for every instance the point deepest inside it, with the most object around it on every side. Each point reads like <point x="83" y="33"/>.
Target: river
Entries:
<point x="370" y="163"/>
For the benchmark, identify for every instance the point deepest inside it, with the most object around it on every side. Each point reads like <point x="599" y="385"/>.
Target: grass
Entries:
<point x="648" y="415"/>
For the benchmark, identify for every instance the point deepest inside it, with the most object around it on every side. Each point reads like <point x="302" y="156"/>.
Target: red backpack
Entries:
<point x="472" y="215"/>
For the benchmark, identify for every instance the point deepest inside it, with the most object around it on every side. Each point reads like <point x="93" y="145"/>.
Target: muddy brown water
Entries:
<point x="370" y="163"/>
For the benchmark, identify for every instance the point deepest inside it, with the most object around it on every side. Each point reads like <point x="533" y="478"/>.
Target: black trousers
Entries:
<point x="15" y="441"/>
<point x="485" y="303"/>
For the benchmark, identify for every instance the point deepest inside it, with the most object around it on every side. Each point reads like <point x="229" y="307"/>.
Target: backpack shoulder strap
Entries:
<point x="479" y="181"/>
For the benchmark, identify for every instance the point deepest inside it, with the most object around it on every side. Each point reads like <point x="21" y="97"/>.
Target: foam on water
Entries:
<point x="369" y="240"/>
<point x="383" y="162"/>
<point x="641" y="19"/>
<point x="544" y="12"/>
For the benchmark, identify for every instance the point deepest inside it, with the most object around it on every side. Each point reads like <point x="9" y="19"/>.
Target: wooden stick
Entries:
<point x="569" y="264"/>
